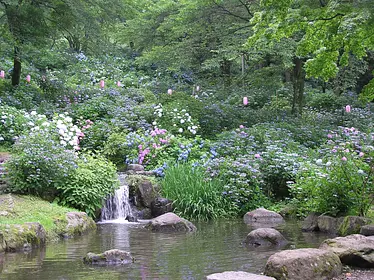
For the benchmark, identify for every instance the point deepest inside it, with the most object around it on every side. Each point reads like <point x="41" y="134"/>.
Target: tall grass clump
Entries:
<point x="195" y="196"/>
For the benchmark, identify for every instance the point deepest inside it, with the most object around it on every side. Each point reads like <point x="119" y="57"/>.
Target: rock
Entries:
<point x="170" y="222"/>
<point x="110" y="257"/>
<point x="303" y="264"/>
<point x="265" y="237"/>
<point x="355" y="250"/>
<point x="146" y="193"/>
<point x="160" y="206"/>
<point x="144" y="214"/>
<point x="22" y="237"/>
<point x="76" y="223"/>
<point x="310" y="223"/>
<point x="367" y="230"/>
<point x="351" y="225"/>
<point x="135" y="167"/>
<point x="237" y="275"/>
<point x="328" y="224"/>
<point x="263" y="218"/>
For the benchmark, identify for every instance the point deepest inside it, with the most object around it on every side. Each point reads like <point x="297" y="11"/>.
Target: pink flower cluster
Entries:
<point x="89" y="123"/>
<point x="142" y="153"/>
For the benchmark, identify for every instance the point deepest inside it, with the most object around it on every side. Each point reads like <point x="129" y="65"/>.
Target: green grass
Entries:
<point x="22" y="209"/>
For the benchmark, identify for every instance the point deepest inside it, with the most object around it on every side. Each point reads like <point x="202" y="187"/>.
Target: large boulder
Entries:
<point x="263" y="218"/>
<point x="302" y="264"/>
<point x="110" y="257"/>
<point x="22" y="237"/>
<point x="355" y="250"/>
<point x="265" y="237"/>
<point x="327" y="224"/>
<point x="160" y="206"/>
<point x="310" y="223"/>
<point x="170" y="222"/>
<point x="75" y="224"/>
<point x="237" y="275"/>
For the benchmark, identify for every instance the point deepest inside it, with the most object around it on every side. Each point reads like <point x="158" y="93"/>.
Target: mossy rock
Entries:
<point x="19" y="237"/>
<point x="74" y="224"/>
<point x="110" y="257"/>
<point x="351" y="225"/>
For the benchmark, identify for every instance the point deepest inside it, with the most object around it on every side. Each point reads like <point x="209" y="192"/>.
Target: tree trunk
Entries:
<point x="16" y="75"/>
<point x="298" y="81"/>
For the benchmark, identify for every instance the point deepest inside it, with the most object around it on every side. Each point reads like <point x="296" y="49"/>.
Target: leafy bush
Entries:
<point x="195" y="196"/>
<point x="88" y="185"/>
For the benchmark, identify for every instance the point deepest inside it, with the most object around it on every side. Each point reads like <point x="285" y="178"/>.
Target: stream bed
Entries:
<point x="215" y="247"/>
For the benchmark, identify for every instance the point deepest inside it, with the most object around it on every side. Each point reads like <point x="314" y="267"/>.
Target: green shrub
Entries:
<point x="340" y="186"/>
<point x="88" y="185"/>
<point x="195" y="196"/>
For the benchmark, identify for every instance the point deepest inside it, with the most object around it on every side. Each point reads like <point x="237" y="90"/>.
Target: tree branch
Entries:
<point x="228" y="12"/>
<point x="246" y="7"/>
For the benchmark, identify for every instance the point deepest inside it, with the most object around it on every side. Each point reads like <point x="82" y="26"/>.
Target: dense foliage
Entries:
<point x="256" y="102"/>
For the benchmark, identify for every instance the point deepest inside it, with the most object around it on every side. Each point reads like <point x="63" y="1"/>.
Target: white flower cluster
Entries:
<point x="68" y="132"/>
<point x="181" y="121"/>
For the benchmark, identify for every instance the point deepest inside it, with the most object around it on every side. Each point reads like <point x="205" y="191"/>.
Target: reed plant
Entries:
<point x="196" y="196"/>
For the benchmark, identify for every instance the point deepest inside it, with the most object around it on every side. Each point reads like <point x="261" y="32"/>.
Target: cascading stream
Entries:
<point x="117" y="207"/>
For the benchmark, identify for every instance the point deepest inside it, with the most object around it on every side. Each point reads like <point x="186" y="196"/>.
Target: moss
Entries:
<point x="27" y="209"/>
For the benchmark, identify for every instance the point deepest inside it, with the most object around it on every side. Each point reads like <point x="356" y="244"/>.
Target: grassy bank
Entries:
<point x="16" y="209"/>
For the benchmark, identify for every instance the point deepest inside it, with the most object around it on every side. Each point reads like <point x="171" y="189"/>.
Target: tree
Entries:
<point x="326" y="33"/>
<point x="39" y="22"/>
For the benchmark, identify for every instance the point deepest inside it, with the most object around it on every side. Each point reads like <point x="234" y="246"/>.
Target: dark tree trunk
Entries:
<point x="16" y="76"/>
<point x="298" y="81"/>
<point x="226" y="72"/>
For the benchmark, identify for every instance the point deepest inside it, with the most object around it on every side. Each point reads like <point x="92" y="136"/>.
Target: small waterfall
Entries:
<point x="117" y="207"/>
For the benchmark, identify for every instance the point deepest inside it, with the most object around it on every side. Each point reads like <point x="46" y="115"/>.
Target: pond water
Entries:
<point x="216" y="247"/>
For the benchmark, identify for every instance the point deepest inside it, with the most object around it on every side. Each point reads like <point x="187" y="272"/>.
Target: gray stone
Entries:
<point x="310" y="223"/>
<point x="263" y="218"/>
<point x="170" y="222"/>
<point x="303" y="264"/>
<point x="328" y="224"/>
<point x="265" y="237"/>
<point x="355" y="250"/>
<point x="135" y="167"/>
<point x="161" y="206"/>
<point x="237" y="275"/>
<point x="110" y="257"/>
<point x="146" y="193"/>
<point x="367" y="230"/>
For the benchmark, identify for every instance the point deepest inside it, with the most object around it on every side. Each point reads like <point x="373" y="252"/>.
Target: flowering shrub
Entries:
<point x="153" y="148"/>
<point x="38" y="163"/>
<point x="12" y="123"/>
<point x="242" y="179"/>
<point x="341" y="181"/>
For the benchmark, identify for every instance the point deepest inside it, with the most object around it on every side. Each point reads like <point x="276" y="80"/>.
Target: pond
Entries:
<point x="216" y="247"/>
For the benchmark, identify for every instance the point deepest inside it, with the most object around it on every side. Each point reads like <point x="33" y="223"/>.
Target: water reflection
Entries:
<point x="215" y="247"/>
